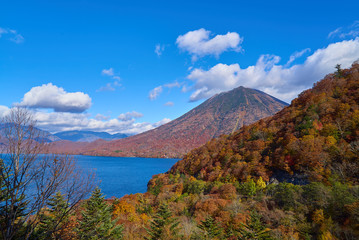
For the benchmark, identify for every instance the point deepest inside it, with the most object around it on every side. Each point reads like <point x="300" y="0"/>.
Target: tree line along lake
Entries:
<point x="118" y="176"/>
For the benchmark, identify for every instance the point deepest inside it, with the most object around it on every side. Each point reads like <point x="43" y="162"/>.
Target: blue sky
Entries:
<point x="129" y="66"/>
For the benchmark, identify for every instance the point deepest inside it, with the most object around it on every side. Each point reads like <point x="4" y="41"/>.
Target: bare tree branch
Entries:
<point x="29" y="177"/>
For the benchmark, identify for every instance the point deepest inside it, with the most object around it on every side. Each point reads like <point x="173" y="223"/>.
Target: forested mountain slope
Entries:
<point x="290" y="176"/>
<point x="316" y="136"/>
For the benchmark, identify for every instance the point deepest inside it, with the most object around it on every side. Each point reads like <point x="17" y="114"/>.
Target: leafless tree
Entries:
<point x="29" y="176"/>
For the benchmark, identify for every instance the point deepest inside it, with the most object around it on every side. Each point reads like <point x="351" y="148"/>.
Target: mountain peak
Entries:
<point x="221" y="114"/>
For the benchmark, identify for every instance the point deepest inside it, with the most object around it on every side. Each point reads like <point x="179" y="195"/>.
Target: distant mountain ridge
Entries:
<point x="73" y="136"/>
<point x="45" y="135"/>
<point x="223" y="113"/>
<point x="88" y="136"/>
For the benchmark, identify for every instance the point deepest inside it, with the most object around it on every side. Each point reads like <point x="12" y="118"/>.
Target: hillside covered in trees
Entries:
<point x="291" y="176"/>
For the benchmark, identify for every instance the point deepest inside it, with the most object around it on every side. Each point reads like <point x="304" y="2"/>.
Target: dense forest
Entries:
<point x="290" y="176"/>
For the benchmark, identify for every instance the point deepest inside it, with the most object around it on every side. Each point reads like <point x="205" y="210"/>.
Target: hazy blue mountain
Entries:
<point x="43" y="135"/>
<point x="88" y="136"/>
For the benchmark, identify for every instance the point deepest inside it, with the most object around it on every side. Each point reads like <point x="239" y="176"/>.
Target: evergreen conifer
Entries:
<point x="163" y="226"/>
<point x="96" y="222"/>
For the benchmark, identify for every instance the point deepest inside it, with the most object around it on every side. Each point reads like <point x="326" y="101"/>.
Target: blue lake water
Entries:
<point x="119" y="176"/>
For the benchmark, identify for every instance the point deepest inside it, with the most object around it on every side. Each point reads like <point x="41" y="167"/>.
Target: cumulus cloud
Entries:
<point x="267" y="75"/>
<point x="56" y="98"/>
<point x="159" y="49"/>
<point x="4" y="110"/>
<point x="60" y="121"/>
<point x="154" y="93"/>
<point x="129" y="115"/>
<point x="101" y="117"/>
<point x="351" y="31"/>
<point x="66" y="121"/>
<point x="12" y="35"/>
<point x="198" y="43"/>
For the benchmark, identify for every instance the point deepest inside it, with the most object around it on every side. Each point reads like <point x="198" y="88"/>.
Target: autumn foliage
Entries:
<point x="294" y="175"/>
<point x="290" y="176"/>
<point x="317" y="137"/>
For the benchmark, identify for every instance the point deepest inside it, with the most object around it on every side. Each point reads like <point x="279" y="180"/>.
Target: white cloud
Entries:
<point x="334" y="32"/>
<point x="267" y="75"/>
<point x="169" y="104"/>
<point x="112" y="85"/>
<point x="107" y="72"/>
<point x="65" y="121"/>
<point x="154" y="93"/>
<point x="12" y="35"/>
<point x="4" y="110"/>
<point x="107" y="88"/>
<point x="296" y="55"/>
<point x="163" y="121"/>
<point x="56" y="98"/>
<point x="57" y="122"/>
<point x="101" y="117"/>
<point x="16" y="38"/>
<point x="3" y="31"/>
<point x="129" y="115"/>
<point x="172" y="85"/>
<point x="159" y="49"/>
<point x="351" y="31"/>
<point x="199" y="44"/>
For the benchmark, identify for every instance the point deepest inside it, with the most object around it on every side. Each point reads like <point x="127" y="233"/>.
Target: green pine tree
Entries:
<point x="210" y="228"/>
<point x="339" y="72"/>
<point x="254" y="229"/>
<point x="163" y="226"/>
<point x="53" y="219"/>
<point x="96" y="222"/>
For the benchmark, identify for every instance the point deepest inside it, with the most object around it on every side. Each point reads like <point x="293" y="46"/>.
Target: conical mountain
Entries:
<point x="223" y="113"/>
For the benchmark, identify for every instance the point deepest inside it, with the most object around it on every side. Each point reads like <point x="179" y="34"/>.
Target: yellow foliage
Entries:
<point x="260" y="183"/>
<point x="330" y="140"/>
<point x="124" y="208"/>
<point x="343" y="108"/>
<point x="318" y="216"/>
<point x="308" y="138"/>
<point x="326" y="236"/>
<point x="144" y="217"/>
<point x="192" y="179"/>
<point x="355" y="116"/>
<point x="217" y="167"/>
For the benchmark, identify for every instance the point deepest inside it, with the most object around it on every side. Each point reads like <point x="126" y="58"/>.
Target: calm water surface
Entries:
<point x="119" y="175"/>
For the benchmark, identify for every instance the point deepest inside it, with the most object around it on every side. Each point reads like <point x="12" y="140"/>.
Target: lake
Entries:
<point x="119" y="176"/>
